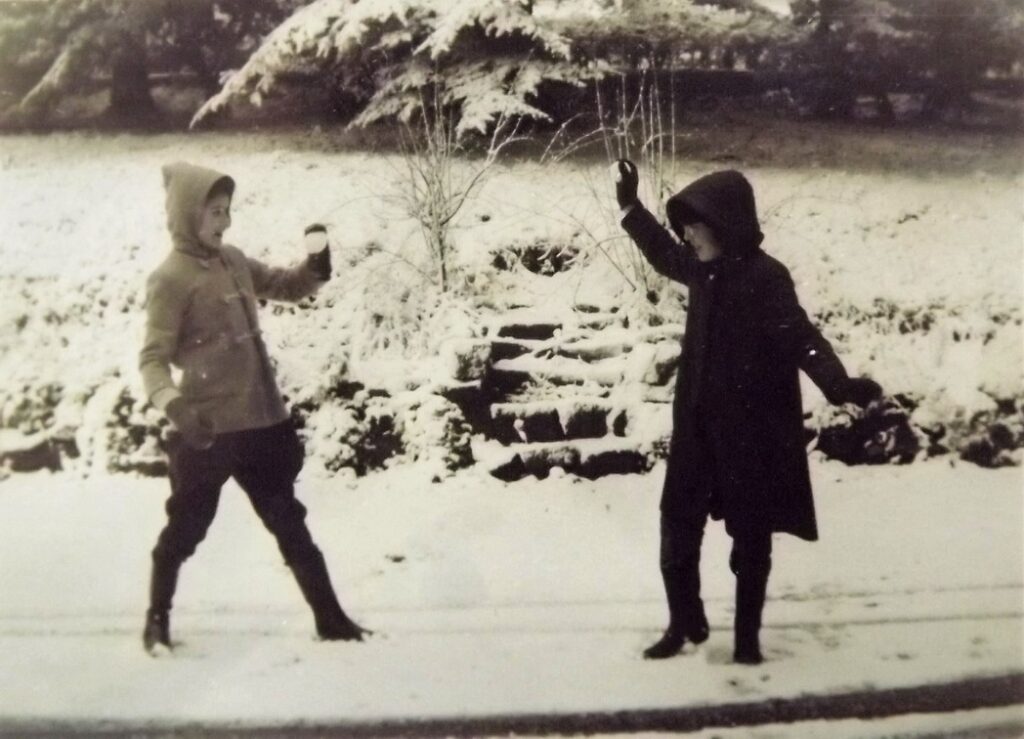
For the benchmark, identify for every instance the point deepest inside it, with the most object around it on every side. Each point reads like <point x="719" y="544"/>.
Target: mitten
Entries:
<point x="195" y="428"/>
<point x="859" y="391"/>
<point x="627" y="180"/>
<point x="318" y="250"/>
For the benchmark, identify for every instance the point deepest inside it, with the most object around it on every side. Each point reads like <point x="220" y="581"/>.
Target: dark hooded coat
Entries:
<point x="738" y="444"/>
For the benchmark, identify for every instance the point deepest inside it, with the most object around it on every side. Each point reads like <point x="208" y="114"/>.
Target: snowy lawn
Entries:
<point x="490" y="598"/>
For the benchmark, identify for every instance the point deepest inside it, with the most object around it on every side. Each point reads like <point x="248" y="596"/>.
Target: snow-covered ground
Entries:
<point x="489" y="598"/>
<point x="493" y="598"/>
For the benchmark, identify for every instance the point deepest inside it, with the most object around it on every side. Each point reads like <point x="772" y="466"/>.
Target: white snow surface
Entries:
<point x="489" y="598"/>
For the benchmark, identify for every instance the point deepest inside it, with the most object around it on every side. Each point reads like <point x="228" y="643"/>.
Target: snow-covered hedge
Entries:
<point x="916" y="282"/>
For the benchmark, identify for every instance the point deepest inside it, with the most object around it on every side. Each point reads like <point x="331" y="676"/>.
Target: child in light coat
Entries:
<point x="227" y="412"/>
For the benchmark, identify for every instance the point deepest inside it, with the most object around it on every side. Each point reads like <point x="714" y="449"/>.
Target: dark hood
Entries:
<point x="725" y="201"/>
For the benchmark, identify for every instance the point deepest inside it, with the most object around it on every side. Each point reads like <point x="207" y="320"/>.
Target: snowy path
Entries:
<point x="500" y="600"/>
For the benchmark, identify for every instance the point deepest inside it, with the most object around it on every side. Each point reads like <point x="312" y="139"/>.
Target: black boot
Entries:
<point x="669" y="645"/>
<point x="747" y="648"/>
<point x="162" y="584"/>
<point x="157" y="630"/>
<point x="751" y="584"/>
<point x="672" y="641"/>
<point x="332" y="623"/>
<point x="687" y="620"/>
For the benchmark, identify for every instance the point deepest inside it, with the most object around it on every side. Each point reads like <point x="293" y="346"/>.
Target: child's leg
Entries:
<point x="680" y="569"/>
<point x="267" y="463"/>
<point x="751" y="562"/>
<point x="196" y="479"/>
<point x="680" y="572"/>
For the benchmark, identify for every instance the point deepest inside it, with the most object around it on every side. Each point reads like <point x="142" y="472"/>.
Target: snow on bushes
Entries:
<point x="372" y="430"/>
<point x="134" y="436"/>
<point x="30" y="409"/>
<point x="360" y="435"/>
<point x="372" y="363"/>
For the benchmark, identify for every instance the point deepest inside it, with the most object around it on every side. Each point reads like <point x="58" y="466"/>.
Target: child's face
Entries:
<point x="700" y="236"/>
<point x="214" y="221"/>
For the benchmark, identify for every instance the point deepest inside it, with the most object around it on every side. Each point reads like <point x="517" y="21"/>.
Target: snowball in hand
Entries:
<point x="316" y="238"/>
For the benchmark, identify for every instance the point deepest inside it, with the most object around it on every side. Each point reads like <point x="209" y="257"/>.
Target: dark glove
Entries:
<point x="627" y="180"/>
<point x="319" y="251"/>
<point x="195" y="428"/>
<point x="859" y="391"/>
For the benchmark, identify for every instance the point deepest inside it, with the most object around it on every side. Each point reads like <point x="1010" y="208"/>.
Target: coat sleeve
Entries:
<point x="667" y="256"/>
<point x="289" y="284"/>
<point x="791" y="333"/>
<point x="166" y="304"/>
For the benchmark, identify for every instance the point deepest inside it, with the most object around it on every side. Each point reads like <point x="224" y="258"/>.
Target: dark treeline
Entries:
<point x="827" y="59"/>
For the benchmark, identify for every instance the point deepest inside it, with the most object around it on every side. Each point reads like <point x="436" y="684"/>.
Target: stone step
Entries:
<point x="562" y="371"/>
<point x="534" y="331"/>
<point x="589" y="458"/>
<point x="511" y="348"/>
<point x="559" y="420"/>
<point x="472" y="400"/>
<point x="500" y="384"/>
<point x="33" y="452"/>
<point x="591" y="351"/>
<point x="600" y="321"/>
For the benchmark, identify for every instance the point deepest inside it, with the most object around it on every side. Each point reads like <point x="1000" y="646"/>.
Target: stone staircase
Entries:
<point x="554" y="396"/>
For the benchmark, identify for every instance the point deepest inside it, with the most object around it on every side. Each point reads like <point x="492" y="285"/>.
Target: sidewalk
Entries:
<point x="498" y="608"/>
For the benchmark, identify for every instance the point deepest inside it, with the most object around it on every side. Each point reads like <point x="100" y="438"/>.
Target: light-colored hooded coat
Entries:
<point x="201" y="316"/>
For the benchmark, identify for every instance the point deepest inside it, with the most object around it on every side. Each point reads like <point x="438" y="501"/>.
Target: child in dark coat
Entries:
<point x="228" y="416"/>
<point x="737" y="450"/>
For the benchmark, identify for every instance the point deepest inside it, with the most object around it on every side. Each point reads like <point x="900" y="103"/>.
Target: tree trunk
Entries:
<point x="883" y="105"/>
<point x="130" y="95"/>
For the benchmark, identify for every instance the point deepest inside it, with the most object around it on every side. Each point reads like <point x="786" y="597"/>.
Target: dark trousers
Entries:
<point x="265" y="463"/>
<point x="750" y="561"/>
<point x="682" y="533"/>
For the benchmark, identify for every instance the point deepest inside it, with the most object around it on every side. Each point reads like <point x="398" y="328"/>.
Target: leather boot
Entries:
<point x="157" y="630"/>
<point x="687" y="620"/>
<point x="315" y="583"/>
<point x="162" y="584"/>
<point x="751" y="584"/>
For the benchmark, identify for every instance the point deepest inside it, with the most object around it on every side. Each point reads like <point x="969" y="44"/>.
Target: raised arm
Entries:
<point x="295" y="283"/>
<point x="666" y="255"/>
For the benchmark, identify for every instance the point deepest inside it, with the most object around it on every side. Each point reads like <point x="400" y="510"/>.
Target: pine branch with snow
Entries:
<point x="487" y="57"/>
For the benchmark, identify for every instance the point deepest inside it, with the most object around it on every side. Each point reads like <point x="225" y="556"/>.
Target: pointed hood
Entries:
<point x="187" y="187"/>
<point x="725" y="201"/>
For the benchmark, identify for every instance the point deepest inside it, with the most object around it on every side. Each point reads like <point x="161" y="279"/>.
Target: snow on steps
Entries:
<point x="541" y="421"/>
<point x="557" y="371"/>
<point x="600" y="367"/>
<point x="589" y="458"/>
<point x="565" y="395"/>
